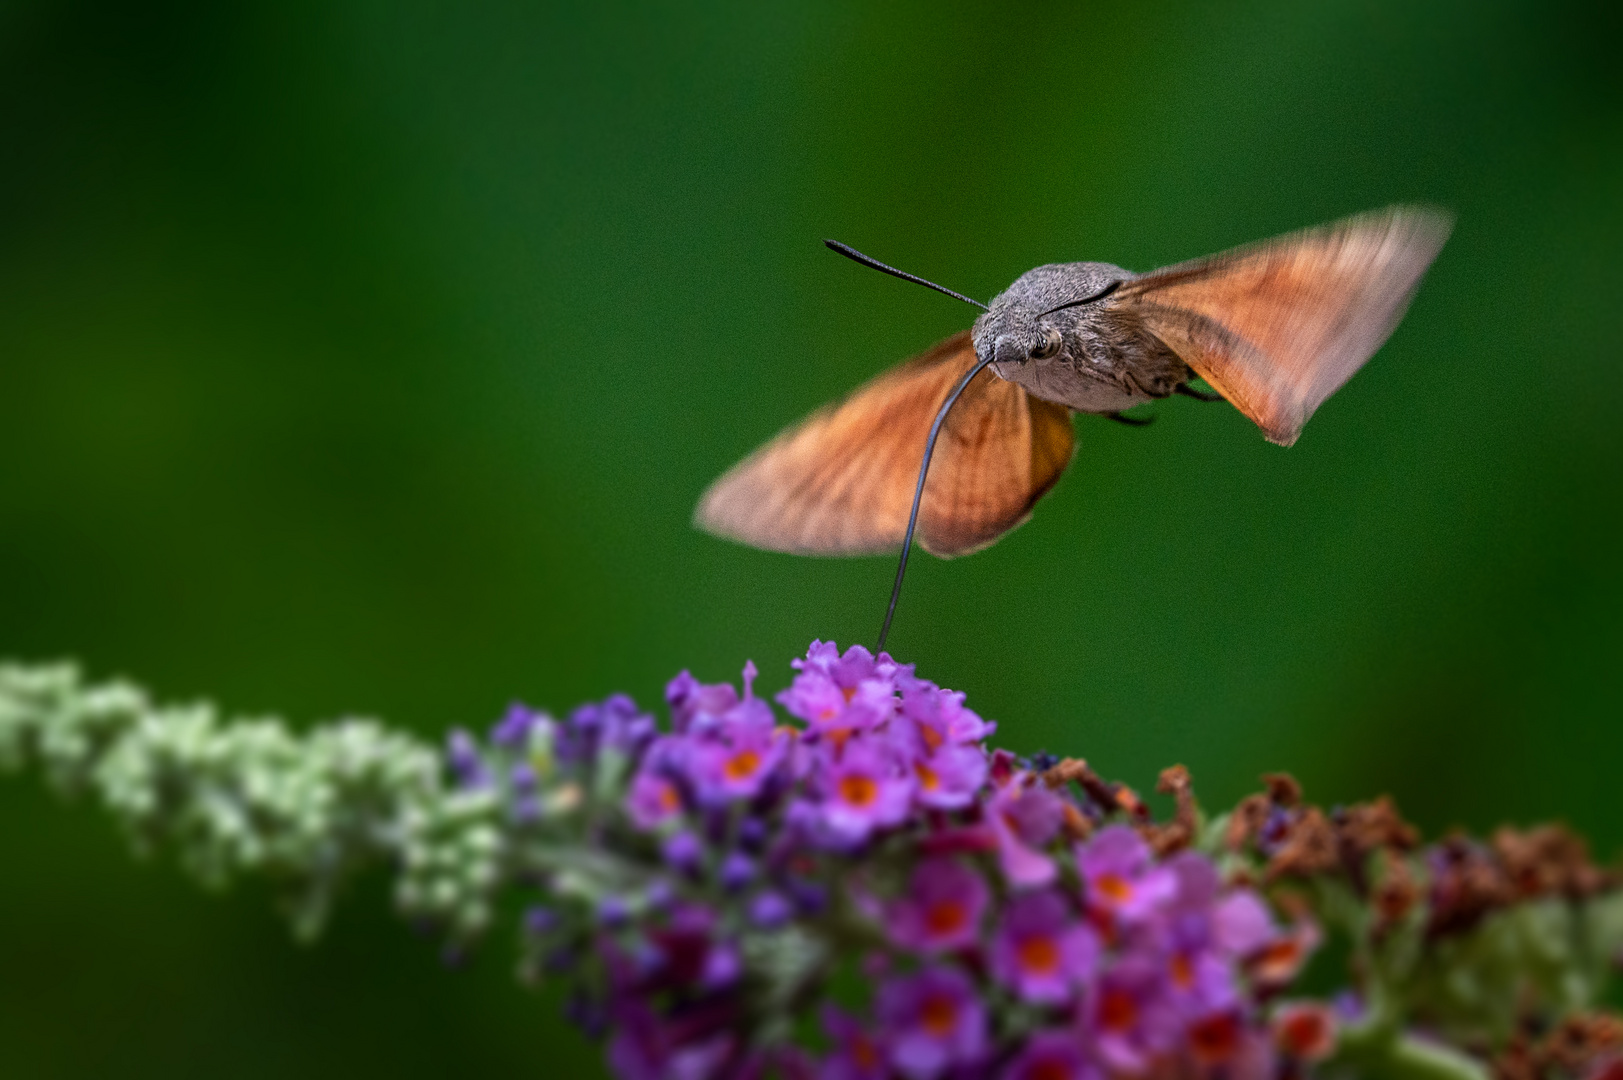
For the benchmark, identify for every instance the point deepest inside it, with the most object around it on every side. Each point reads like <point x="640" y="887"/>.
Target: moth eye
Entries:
<point x="1048" y="346"/>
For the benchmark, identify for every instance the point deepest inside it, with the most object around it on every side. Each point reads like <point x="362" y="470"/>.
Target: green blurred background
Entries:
<point x="369" y="357"/>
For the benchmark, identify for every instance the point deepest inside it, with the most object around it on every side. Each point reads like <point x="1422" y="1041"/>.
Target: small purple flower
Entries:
<point x="659" y="894"/>
<point x="1200" y="978"/>
<point x="810" y="897"/>
<point x="857" y="664"/>
<point x="838" y="696"/>
<point x="467" y="766"/>
<point x="647" y="1047"/>
<point x="1196" y="883"/>
<point x="1120" y="882"/>
<point x="857" y="1053"/>
<point x="615" y="723"/>
<point x="1198" y="982"/>
<point x="934" y="1022"/>
<point x="522" y="778"/>
<point x="738" y="759"/>
<point x="942" y="908"/>
<point x="949" y="778"/>
<point x="1040" y="952"/>
<point x="682" y="851"/>
<point x="1051" y="1055"/>
<point x="1023" y="819"/>
<point x="752" y="833"/>
<point x="737" y="871"/>
<point x="653" y="799"/>
<point x="540" y="920"/>
<point x="770" y="909"/>
<point x="612" y="912"/>
<point x="690" y="700"/>
<point x="526" y="808"/>
<point x="1129" y="1020"/>
<point x="1241" y="924"/>
<point x="865" y="790"/>
<point x="940" y="715"/>
<point x="513" y="729"/>
<point x="722" y="967"/>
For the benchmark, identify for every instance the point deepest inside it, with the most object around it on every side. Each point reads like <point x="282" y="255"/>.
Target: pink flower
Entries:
<point x="857" y="1055"/>
<point x="839" y="696"/>
<point x="942" y="909"/>
<point x="1023" y="819"/>
<point x="864" y="790"/>
<point x="933" y="1021"/>
<point x="949" y="778"/>
<point x="737" y="759"/>
<point x="1128" y="1017"/>
<point x="1120" y="883"/>
<point x="940" y="715"/>
<point x="1040" y="952"/>
<point x="653" y="799"/>
<point x="1051" y="1055"/>
<point x="1242" y="924"/>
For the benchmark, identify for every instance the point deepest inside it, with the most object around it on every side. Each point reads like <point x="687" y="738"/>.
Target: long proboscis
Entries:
<point x="918" y="493"/>
<point x="929" y="445"/>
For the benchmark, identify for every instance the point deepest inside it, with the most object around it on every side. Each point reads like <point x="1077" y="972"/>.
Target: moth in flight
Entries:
<point x="963" y="440"/>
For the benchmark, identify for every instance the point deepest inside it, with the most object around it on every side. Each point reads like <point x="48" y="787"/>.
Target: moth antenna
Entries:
<point x="924" y="467"/>
<point x="1100" y="295"/>
<point x="856" y="256"/>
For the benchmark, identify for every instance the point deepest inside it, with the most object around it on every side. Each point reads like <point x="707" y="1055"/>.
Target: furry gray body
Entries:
<point x="1107" y="360"/>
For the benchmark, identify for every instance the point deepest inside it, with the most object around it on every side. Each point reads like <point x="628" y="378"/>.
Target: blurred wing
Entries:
<point x="841" y="482"/>
<point x="1279" y="326"/>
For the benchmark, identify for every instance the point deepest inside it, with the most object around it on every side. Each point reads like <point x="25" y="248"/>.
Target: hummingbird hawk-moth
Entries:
<point x="1274" y="327"/>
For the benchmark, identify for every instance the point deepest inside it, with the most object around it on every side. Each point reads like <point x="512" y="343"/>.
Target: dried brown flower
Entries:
<point x="1175" y="835"/>
<point x="1309" y="847"/>
<point x="1548" y="860"/>
<point x="1586" y="1045"/>
<point x="1366" y="827"/>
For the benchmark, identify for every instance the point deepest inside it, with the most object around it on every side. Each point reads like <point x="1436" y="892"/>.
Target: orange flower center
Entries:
<point x="1183" y="971"/>
<point x="849" y="692"/>
<point x="939" y="1015"/>
<point x="1039" y="954"/>
<point x="1117" y="1010"/>
<point x="932" y="738"/>
<point x="669" y="801"/>
<point x="946" y="917"/>
<point x="858" y="790"/>
<point x="1114" y="887"/>
<point x="1278" y="962"/>
<point x="929" y="779"/>
<point x="864" y="1052"/>
<point x="742" y="765"/>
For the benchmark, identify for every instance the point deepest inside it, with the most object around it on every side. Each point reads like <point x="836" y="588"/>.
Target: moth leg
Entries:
<point x="1130" y="421"/>
<point x="1189" y="391"/>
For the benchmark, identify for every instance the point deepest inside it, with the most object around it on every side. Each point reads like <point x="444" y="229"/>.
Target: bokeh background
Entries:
<point x="369" y="357"/>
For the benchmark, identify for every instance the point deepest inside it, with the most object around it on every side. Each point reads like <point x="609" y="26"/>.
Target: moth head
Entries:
<point x="1039" y="317"/>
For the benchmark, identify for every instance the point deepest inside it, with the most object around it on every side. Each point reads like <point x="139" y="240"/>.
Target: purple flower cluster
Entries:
<point x="879" y="746"/>
<point x="1005" y="923"/>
